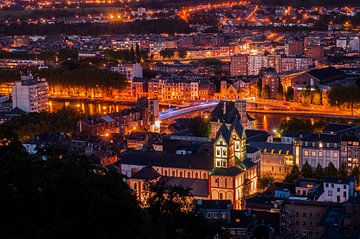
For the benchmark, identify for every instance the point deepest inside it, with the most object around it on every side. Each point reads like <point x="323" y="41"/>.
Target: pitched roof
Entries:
<point x="333" y="128"/>
<point x="147" y="173"/>
<point x="224" y="112"/>
<point x="236" y="125"/>
<point x="273" y="147"/>
<point x="199" y="187"/>
<point x="316" y="137"/>
<point x="224" y="132"/>
<point x="160" y="159"/>
<point x="327" y="74"/>
<point x="256" y="135"/>
<point x="231" y="171"/>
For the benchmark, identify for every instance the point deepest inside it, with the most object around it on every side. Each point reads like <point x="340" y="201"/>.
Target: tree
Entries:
<point x="68" y="198"/>
<point x="345" y="96"/>
<point x="343" y="173"/>
<point x="170" y="209"/>
<point x="289" y="94"/>
<point x="280" y="91"/>
<point x="319" y="172"/>
<point x="306" y="170"/>
<point x="293" y="175"/>
<point x="200" y="127"/>
<point x="331" y="171"/>
<point x="67" y="54"/>
<point x="167" y="53"/>
<point x="356" y="172"/>
<point x="182" y="53"/>
<point x="265" y="181"/>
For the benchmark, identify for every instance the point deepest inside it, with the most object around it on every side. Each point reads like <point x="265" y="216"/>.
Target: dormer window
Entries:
<point x="321" y="145"/>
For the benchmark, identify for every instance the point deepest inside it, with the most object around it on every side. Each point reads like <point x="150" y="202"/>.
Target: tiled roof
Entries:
<point x="224" y="132"/>
<point x="161" y="159"/>
<point x="147" y="173"/>
<point x="231" y="171"/>
<point x="199" y="187"/>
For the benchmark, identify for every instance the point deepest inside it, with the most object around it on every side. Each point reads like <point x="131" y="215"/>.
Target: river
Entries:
<point x="267" y="122"/>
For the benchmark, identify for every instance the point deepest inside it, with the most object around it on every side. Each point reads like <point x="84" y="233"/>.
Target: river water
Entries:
<point x="267" y="122"/>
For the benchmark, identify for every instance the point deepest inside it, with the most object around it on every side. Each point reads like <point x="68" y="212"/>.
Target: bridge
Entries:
<point x="264" y="107"/>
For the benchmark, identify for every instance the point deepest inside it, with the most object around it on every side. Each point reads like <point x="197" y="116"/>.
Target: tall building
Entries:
<point x="238" y="65"/>
<point x="270" y="78"/>
<point x="30" y="94"/>
<point x="315" y="52"/>
<point x="131" y="71"/>
<point x="255" y="63"/>
<point x="294" y="48"/>
<point x="233" y="177"/>
<point x="274" y="61"/>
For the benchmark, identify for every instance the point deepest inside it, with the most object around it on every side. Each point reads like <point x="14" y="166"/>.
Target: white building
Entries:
<point x="354" y="44"/>
<point x="30" y="94"/>
<point x="317" y="149"/>
<point x="341" y="43"/>
<point x="337" y="190"/>
<point x="129" y="70"/>
<point x="255" y="63"/>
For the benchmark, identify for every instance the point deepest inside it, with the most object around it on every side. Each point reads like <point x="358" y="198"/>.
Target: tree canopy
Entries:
<point x="200" y="127"/>
<point x="29" y="125"/>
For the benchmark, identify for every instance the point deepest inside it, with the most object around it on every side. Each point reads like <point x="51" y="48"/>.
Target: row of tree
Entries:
<point x="345" y="96"/>
<point x="84" y="76"/>
<point x="156" y="26"/>
<point x="318" y="173"/>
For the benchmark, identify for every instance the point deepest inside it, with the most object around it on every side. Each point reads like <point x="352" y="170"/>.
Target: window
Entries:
<point x="345" y="186"/>
<point x="189" y="174"/>
<point x="344" y="194"/>
<point x="135" y="186"/>
<point x="337" y="198"/>
<point x="221" y="196"/>
<point x="196" y="175"/>
<point x="321" y="153"/>
<point x="217" y="152"/>
<point x="306" y="153"/>
<point x="224" y="152"/>
<point x="330" y="193"/>
<point x="313" y="153"/>
<point x="335" y="154"/>
<point x="216" y="180"/>
<point x="338" y="189"/>
<point x="173" y="173"/>
<point x="181" y="174"/>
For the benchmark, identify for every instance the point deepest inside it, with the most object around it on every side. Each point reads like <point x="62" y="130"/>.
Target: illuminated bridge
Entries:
<point x="179" y="111"/>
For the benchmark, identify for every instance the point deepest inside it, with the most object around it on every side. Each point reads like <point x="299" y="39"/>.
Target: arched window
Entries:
<point x="221" y="196"/>
<point x="181" y="174"/>
<point x="173" y="173"/>
<point x="165" y="172"/>
<point x="189" y="175"/>
<point x="196" y="175"/>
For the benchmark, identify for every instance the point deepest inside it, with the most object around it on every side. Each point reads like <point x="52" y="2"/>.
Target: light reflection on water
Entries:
<point x="267" y="122"/>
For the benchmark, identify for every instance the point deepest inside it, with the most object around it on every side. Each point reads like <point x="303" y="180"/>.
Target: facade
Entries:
<point x="294" y="48"/>
<point x="271" y="79"/>
<point x="30" y="94"/>
<point x="318" y="148"/>
<point x="231" y="178"/>
<point x="238" y="65"/>
<point x="303" y="218"/>
<point x="130" y="71"/>
<point x="350" y="152"/>
<point x="275" y="159"/>
<point x="256" y="63"/>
